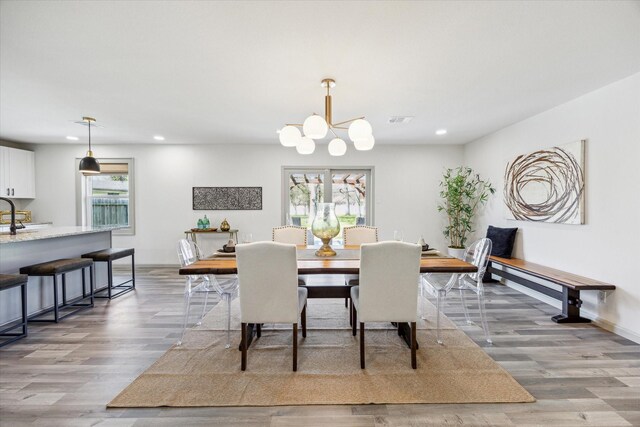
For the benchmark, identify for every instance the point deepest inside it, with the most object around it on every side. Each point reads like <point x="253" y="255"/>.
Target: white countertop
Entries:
<point x="27" y="235"/>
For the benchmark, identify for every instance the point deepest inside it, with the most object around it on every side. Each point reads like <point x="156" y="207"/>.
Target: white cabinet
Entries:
<point x="17" y="174"/>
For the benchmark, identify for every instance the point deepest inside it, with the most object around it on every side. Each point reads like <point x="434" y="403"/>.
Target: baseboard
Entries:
<point x="612" y="327"/>
<point x="598" y="321"/>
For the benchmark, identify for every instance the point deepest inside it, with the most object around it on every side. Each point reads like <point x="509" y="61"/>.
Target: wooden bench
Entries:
<point x="571" y="284"/>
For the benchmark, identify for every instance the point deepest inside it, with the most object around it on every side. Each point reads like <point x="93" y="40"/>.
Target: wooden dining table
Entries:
<point x="347" y="262"/>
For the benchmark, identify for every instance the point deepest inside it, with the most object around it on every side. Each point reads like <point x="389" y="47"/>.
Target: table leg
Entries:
<point x="404" y="330"/>
<point x="251" y="332"/>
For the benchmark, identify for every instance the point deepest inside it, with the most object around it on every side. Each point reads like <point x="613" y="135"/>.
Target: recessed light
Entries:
<point x="72" y="138"/>
<point x="441" y="132"/>
<point x="159" y="138"/>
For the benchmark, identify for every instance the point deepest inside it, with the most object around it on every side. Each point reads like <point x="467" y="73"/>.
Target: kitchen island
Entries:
<point x="34" y="246"/>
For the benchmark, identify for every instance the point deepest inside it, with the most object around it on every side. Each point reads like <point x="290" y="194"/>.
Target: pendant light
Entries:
<point x="317" y="127"/>
<point x="89" y="164"/>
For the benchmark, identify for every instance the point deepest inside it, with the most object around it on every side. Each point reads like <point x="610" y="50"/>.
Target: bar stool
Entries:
<point x="109" y="255"/>
<point x="63" y="267"/>
<point x="9" y="281"/>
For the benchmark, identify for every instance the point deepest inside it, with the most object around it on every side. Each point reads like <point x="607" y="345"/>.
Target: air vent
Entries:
<point x="398" y="120"/>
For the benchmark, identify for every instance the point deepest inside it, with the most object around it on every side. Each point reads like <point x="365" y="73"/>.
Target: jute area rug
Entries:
<point x="202" y="372"/>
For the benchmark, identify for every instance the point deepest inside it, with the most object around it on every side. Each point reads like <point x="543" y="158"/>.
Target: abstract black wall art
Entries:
<point x="227" y="198"/>
<point x="547" y="185"/>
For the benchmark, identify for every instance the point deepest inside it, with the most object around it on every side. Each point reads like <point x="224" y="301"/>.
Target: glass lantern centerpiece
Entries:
<point x="325" y="227"/>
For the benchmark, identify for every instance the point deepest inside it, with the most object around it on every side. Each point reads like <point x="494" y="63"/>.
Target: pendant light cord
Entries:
<point x="89" y="123"/>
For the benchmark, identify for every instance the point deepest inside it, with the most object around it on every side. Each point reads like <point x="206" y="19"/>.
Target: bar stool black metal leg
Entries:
<point x="91" y="273"/>
<point x="109" y="278"/>
<point x="64" y="289"/>
<point x="84" y="284"/>
<point x="133" y="272"/>
<point x="23" y="291"/>
<point x="55" y="297"/>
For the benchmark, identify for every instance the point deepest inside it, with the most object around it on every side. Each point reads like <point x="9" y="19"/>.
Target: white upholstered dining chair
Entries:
<point x="291" y="234"/>
<point x="477" y="254"/>
<point x="226" y="286"/>
<point x="387" y="292"/>
<point x="357" y="235"/>
<point x="294" y="235"/>
<point x="269" y="292"/>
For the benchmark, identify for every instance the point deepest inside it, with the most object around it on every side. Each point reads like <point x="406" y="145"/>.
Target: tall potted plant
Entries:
<point x="462" y="192"/>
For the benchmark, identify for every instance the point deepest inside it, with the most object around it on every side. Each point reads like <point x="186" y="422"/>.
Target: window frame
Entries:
<point x="81" y="196"/>
<point x="369" y="171"/>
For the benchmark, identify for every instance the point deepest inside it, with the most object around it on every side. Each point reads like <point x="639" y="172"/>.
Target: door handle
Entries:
<point x="13" y="191"/>
<point x="8" y="192"/>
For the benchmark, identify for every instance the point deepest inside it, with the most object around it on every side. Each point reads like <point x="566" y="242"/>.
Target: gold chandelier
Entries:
<point x="317" y="127"/>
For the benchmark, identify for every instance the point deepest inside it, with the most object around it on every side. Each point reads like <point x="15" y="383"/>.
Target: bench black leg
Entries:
<point x="488" y="278"/>
<point x="571" y="304"/>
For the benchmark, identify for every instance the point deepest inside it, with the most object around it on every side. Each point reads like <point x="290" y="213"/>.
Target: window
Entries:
<point x="106" y="199"/>
<point x="351" y="189"/>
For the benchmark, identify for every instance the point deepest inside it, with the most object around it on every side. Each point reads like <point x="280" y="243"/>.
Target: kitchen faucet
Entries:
<point x="12" y="227"/>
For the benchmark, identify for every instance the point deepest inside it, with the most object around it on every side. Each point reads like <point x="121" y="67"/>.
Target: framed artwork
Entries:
<point x="547" y="185"/>
<point x="227" y="198"/>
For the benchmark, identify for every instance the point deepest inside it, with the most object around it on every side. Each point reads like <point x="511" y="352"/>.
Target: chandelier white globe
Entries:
<point x="315" y="127"/>
<point x="290" y="136"/>
<point x="360" y="129"/>
<point x="306" y="146"/>
<point x="337" y="147"/>
<point x="364" y="144"/>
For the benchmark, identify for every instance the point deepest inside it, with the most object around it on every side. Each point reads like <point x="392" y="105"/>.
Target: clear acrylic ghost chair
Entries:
<point x="476" y="254"/>
<point x="224" y="285"/>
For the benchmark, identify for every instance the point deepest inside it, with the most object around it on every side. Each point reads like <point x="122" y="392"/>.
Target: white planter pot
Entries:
<point x="456" y="253"/>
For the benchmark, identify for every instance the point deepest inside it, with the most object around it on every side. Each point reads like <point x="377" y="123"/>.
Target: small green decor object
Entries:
<point x="462" y="192"/>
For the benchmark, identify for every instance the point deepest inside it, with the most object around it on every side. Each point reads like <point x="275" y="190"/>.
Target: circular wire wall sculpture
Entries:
<point x="545" y="186"/>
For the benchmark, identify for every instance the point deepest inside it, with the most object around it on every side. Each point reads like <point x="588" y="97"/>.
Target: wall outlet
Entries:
<point x="602" y="297"/>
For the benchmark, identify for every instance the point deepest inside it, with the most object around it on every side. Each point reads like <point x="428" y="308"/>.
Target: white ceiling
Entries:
<point x="234" y="72"/>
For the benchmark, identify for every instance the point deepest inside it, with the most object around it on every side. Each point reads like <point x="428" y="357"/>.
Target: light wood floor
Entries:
<point x="65" y="374"/>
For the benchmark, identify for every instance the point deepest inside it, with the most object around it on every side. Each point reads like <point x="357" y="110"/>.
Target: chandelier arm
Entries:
<point x="293" y="124"/>
<point x="347" y="121"/>
<point x="340" y="127"/>
<point x="333" y="132"/>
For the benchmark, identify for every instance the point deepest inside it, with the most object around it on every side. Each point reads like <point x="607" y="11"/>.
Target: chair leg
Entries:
<point x="354" y="320"/>
<point x="303" y="321"/>
<point x="351" y="315"/>
<point x="243" y="347"/>
<point x="187" y="304"/>
<point x="464" y="307"/>
<point x="295" y="347"/>
<point x="258" y="330"/>
<point x="439" y="299"/>
<point x="414" y="363"/>
<point x="361" y="345"/>
<point x="346" y="302"/>
<point x="483" y="317"/>
<point x="228" y="298"/>
<point x="204" y="308"/>
<point x="423" y="315"/>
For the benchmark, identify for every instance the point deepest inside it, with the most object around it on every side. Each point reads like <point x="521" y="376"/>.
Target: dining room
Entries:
<point x="319" y="213"/>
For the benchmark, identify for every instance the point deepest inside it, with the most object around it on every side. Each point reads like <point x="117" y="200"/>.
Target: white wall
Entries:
<point x="605" y="248"/>
<point x="406" y="188"/>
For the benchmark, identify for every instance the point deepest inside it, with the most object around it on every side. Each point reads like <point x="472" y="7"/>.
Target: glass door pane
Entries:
<point x="349" y="193"/>
<point x="306" y="190"/>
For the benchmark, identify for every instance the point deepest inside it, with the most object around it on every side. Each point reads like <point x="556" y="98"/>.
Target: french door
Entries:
<point x="351" y="189"/>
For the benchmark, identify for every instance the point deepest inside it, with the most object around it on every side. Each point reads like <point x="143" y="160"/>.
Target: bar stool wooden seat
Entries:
<point x="109" y="255"/>
<point x="63" y="267"/>
<point x="9" y="281"/>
